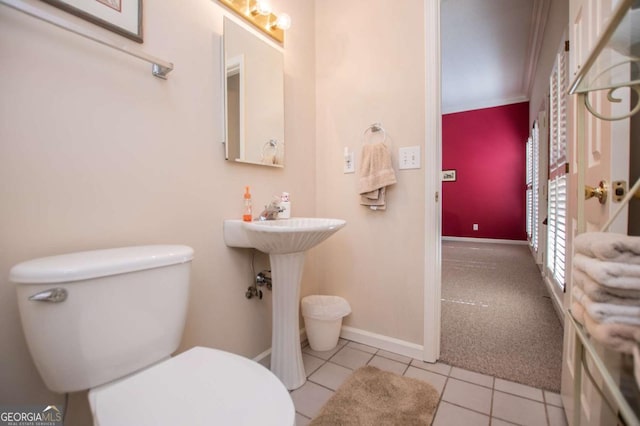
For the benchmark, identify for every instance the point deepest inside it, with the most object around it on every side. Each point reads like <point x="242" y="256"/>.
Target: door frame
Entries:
<point x="433" y="186"/>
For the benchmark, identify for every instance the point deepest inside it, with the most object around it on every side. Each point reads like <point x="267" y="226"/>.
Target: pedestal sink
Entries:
<point x="285" y="241"/>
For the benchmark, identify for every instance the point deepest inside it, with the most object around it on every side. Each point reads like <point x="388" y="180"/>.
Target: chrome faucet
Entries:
<point x="271" y="211"/>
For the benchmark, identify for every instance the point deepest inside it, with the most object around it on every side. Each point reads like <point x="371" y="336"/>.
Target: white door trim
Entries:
<point x="433" y="186"/>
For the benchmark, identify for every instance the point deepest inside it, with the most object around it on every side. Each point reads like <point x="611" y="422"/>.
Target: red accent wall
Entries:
<point x="487" y="148"/>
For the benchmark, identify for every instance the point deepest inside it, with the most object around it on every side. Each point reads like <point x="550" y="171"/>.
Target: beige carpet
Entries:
<point x="497" y="315"/>
<point x="371" y="396"/>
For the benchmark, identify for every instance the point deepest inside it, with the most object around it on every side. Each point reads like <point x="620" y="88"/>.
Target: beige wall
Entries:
<point x="95" y="152"/>
<point x="370" y="68"/>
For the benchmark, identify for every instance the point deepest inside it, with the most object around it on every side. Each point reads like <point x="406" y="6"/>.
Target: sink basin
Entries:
<point x="290" y="235"/>
<point x="281" y="236"/>
<point x="286" y="241"/>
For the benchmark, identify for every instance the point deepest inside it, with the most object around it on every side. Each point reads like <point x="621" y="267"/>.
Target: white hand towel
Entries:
<point x="607" y="313"/>
<point x="610" y="274"/>
<point x="602" y="294"/>
<point x="619" y="337"/>
<point x="609" y="246"/>
<point x="375" y="170"/>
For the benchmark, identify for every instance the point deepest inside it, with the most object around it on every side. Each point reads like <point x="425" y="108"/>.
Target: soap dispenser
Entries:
<point x="285" y="206"/>
<point x="247" y="214"/>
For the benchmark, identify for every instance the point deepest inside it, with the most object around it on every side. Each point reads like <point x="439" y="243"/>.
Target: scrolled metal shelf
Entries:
<point x="633" y="85"/>
<point x="612" y="99"/>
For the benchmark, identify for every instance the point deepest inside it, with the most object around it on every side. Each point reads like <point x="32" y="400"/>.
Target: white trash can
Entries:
<point x="323" y="319"/>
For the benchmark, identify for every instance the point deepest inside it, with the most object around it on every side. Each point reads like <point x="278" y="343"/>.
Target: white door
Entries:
<point x="604" y="156"/>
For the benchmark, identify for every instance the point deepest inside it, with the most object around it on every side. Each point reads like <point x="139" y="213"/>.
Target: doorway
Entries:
<point x="484" y="212"/>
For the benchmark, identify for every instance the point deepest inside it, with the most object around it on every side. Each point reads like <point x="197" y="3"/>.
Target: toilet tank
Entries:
<point x="125" y="309"/>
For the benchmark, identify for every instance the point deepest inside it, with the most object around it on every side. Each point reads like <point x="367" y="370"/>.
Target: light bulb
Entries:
<point x="262" y="8"/>
<point x="283" y="22"/>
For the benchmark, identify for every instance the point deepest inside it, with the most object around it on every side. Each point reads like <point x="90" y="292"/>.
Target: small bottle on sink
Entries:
<point x="285" y="206"/>
<point x="247" y="214"/>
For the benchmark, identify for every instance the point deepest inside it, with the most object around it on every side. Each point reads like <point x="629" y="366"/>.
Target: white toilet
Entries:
<point x="108" y="320"/>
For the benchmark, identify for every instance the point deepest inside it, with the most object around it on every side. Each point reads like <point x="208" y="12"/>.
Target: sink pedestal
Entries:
<point x="285" y="241"/>
<point x="286" y="354"/>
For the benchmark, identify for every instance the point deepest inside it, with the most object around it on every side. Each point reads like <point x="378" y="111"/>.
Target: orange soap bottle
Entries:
<point x="247" y="214"/>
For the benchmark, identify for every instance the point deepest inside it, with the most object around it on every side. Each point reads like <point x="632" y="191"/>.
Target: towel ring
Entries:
<point x="375" y="128"/>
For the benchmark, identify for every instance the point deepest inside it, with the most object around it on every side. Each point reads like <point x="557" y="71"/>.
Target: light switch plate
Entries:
<point x="409" y="157"/>
<point x="349" y="163"/>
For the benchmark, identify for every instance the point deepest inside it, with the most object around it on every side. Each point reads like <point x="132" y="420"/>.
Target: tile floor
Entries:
<point x="466" y="398"/>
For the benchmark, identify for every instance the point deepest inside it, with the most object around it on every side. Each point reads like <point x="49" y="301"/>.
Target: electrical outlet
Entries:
<point x="475" y="226"/>
<point x="409" y="157"/>
<point x="349" y="163"/>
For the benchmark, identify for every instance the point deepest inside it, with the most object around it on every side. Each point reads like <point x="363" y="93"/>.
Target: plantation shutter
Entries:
<point x="557" y="233"/>
<point x="530" y="190"/>
<point x="533" y="157"/>
<point x="536" y="184"/>
<point x="557" y="211"/>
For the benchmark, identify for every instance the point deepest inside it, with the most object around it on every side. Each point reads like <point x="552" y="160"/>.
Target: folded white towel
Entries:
<point x="602" y="294"/>
<point x="619" y="337"/>
<point x="610" y="274"/>
<point x="609" y="246"/>
<point x="607" y="313"/>
<point x="577" y="310"/>
<point x="376" y="200"/>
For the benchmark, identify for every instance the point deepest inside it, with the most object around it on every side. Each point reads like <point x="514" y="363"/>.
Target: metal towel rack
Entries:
<point x="583" y="347"/>
<point x="375" y="128"/>
<point x="159" y="67"/>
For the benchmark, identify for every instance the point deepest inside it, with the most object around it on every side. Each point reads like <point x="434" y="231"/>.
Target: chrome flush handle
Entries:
<point x="53" y="295"/>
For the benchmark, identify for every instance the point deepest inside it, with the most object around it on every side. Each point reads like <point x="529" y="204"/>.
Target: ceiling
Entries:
<point x="489" y="51"/>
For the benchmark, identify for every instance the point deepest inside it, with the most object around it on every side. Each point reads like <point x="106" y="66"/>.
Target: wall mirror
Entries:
<point x="254" y="98"/>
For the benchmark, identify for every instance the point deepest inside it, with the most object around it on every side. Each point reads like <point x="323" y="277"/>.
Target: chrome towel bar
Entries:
<point x="159" y="67"/>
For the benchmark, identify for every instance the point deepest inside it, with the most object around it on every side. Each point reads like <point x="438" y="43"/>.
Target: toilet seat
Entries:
<point x="201" y="386"/>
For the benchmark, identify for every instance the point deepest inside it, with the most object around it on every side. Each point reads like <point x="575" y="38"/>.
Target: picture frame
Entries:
<point x="449" y="175"/>
<point x="123" y="17"/>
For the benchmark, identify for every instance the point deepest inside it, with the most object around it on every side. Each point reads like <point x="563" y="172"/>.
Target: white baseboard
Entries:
<point x="383" y="342"/>
<point x="263" y="355"/>
<point x="390" y="344"/>
<point x="557" y="304"/>
<point x="485" y="240"/>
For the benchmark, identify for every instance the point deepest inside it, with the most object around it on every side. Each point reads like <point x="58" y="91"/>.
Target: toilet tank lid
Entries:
<point x="98" y="263"/>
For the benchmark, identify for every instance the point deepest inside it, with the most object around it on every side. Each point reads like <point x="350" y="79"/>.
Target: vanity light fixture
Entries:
<point x="260" y="15"/>
<point x="283" y="22"/>
<point x="261" y="8"/>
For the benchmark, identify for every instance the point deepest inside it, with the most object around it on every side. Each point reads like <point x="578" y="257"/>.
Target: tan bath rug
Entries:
<point x="371" y="396"/>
